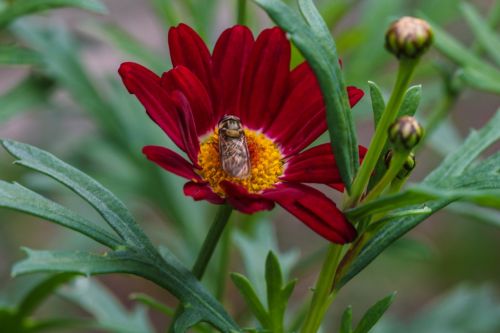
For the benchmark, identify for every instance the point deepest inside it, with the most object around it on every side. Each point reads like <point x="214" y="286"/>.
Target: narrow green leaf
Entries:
<point x="324" y="62"/>
<point x="274" y="282"/>
<point x="15" y="55"/>
<point x="481" y="80"/>
<point x="106" y="203"/>
<point x="486" y="36"/>
<point x="346" y="321"/>
<point x="17" y="197"/>
<point x="411" y="101"/>
<point x="29" y="93"/>
<point x="374" y="313"/>
<point x="378" y="103"/>
<point x="251" y="298"/>
<point x="17" y="9"/>
<point x="182" y="284"/>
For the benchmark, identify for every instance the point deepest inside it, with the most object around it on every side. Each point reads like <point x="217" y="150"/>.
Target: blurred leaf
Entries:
<point x="487" y="38"/>
<point x="251" y="299"/>
<point x="471" y="211"/>
<point x="109" y="314"/>
<point x="346" y="321"/>
<point x="15" y="55"/>
<point x="481" y="80"/>
<point x="16" y="9"/>
<point x="31" y="92"/>
<point x="459" y="54"/>
<point x="317" y="46"/>
<point x="153" y="303"/>
<point x="166" y="11"/>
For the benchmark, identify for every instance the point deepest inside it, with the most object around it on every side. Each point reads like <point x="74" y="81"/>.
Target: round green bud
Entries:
<point x="405" y="133"/>
<point x="406" y="169"/>
<point x="408" y="37"/>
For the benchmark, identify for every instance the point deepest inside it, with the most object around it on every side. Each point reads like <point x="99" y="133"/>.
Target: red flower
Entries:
<point x="281" y="111"/>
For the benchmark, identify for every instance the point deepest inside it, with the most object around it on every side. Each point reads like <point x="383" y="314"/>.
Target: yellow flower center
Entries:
<point x="266" y="163"/>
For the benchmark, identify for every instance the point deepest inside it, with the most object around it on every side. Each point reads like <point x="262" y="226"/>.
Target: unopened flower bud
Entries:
<point x="408" y="37"/>
<point x="405" y="133"/>
<point x="407" y="167"/>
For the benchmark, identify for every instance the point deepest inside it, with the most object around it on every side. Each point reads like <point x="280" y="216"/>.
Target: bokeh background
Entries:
<point x="60" y="91"/>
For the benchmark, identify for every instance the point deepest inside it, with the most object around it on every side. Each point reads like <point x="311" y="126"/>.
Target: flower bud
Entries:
<point x="408" y="37"/>
<point x="407" y="167"/>
<point x="405" y="133"/>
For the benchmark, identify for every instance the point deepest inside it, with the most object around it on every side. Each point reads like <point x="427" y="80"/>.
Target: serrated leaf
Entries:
<point x="106" y="203"/>
<point x="346" y="321"/>
<point x="248" y="292"/>
<point x="17" y="9"/>
<point x="374" y="313"/>
<point x="17" y="197"/>
<point x="197" y="301"/>
<point x="486" y="36"/>
<point x="318" y="49"/>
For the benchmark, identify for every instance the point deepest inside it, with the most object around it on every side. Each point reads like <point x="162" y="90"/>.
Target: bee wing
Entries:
<point x="234" y="156"/>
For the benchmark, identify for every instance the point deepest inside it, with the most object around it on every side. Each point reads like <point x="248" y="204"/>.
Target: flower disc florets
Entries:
<point x="265" y="159"/>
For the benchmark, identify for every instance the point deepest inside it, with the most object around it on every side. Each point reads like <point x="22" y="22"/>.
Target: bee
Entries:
<point x="233" y="148"/>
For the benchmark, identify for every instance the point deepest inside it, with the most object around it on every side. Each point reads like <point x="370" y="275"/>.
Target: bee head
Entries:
<point x="230" y="126"/>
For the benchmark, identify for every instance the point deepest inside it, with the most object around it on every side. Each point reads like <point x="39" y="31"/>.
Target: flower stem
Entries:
<point x="241" y="12"/>
<point x="207" y="249"/>
<point x="405" y="72"/>
<point x="323" y="295"/>
<point x="395" y="167"/>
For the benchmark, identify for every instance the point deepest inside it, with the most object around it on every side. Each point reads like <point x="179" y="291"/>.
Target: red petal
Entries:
<point x="315" y="165"/>
<point x="302" y="118"/>
<point x="145" y="85"/>
<point x="243" y="201"/>
<point x="170" y="161"/>
<point x="182" y="79"/>
<point x="265" y="79"/>
<point x="202" y="191"/>
<point x="230" y="58"/>
<point x="188" y="49"/>
<point x="186" y="125"/>
<point x="314" y="209"/>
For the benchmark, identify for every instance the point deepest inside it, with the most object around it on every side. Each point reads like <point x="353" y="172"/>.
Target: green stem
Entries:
<point x="241" y="12"/>
<point x="207" y="249"/>
<point x="405" y="73"/>
<point x="397" y="162"/>
<point x="323" y="295"/>
<point x="225" y="250"/>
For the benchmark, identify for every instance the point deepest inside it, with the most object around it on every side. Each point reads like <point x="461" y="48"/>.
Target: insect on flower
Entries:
<point x="233" y="148"/>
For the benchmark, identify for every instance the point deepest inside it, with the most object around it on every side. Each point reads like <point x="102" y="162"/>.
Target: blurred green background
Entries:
<point x="60" y="91"/>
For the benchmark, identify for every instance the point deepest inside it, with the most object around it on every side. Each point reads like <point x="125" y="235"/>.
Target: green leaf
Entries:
<point x="17" y="197"/>
<point x="346" y="321"/>
<point x="29" y="93"/>
<point x="274" y="282"/>
<point x="17" y="9"/>
<point x="252" y="300"/>
<point x="486" y="36"/>
<point x="459" y="54"/>
<point x="152" y="303"/>
<point x="378" y="103"/>
<point x="481" y="80"/>
<point x="109" y="314"/>
<point x="106" y="203"/>
<point x="411" y="101"/>
<point x="318" y="49"/>
<point x="15" y="55"/>
<point x="198" y="303"/>
<point x="374" y="313"/>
